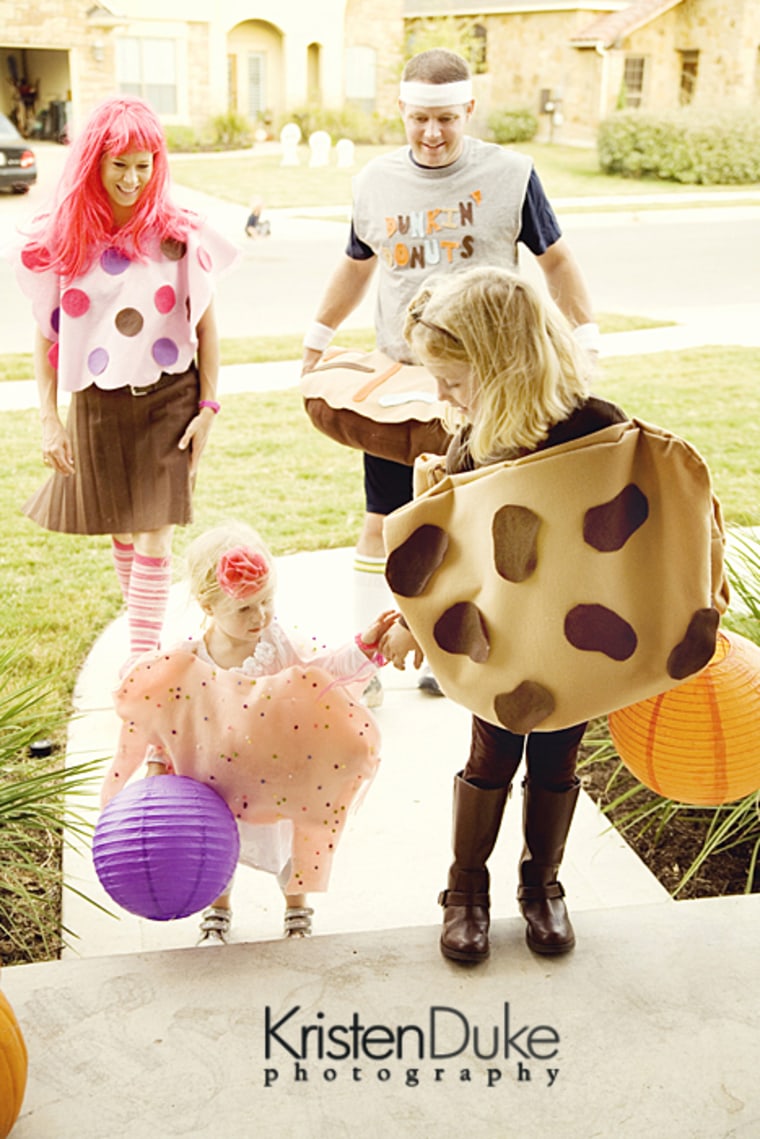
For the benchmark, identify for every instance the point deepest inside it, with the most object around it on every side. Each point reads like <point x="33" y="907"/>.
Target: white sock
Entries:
<point x="371" y="592"/>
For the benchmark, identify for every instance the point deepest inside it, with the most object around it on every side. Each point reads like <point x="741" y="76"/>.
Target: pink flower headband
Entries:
<point x="241" y="572"/>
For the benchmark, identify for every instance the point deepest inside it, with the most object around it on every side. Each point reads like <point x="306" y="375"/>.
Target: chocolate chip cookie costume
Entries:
<point x="544" y="590"/>
<point x="559" y="586"/>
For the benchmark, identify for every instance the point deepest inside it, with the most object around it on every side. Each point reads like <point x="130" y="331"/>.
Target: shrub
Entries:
<point x="231" y="131"/>
<point x="688" y="146"/>
<point x="512" y="126"/>
<point x="181" y="138"/>
<point x="346" y="122"/>
<point x="33" y="803"/>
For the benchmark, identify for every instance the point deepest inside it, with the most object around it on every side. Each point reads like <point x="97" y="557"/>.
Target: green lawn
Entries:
<point x="566" y="172"/>
<point x="267" y="465"/>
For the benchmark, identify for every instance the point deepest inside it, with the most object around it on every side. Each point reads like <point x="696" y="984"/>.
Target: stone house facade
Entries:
<point x="578" y="63"/>
<point x="193" y="60"/>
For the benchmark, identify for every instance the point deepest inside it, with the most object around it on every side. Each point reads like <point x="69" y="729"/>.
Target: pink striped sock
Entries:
<point x="146" y="604"/>
<point x="122" y="560"/>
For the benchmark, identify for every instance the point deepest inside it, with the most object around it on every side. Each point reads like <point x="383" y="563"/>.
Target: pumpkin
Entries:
<point x="13" y="1068"/>
<point x="699" y="743"/>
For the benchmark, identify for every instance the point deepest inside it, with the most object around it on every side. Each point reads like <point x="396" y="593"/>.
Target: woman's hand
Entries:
<point x="396" y="645"/>
<point x="196" y="434"/>
<point x="57" y="451"/>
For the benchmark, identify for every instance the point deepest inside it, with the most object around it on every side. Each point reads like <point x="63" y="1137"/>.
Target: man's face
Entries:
<point x="436" y="134"/>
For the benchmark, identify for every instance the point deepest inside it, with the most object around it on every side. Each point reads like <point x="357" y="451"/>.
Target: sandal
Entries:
<point x="298" y="921"/>
<point x="215" y="926"/>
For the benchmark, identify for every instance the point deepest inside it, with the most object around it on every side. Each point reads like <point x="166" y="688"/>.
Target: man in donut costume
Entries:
<point x="440" y="204"/>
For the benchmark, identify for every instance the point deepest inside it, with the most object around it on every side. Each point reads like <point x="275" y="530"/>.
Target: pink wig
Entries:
<point x="80" y="219"/>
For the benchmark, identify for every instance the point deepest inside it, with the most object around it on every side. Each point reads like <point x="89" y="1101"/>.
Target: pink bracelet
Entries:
<point x="376" y="658"/>
<point x="215" y="407"/>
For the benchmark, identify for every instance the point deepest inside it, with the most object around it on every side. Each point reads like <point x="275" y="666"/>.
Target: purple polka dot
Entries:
<point x="97" y="361"/>
<point x="55" y="319"/>
<point x="165" y="352"/>
<point x="113" y="262"/>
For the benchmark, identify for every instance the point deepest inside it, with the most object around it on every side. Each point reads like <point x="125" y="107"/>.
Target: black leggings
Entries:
<point x="495" y="755"/>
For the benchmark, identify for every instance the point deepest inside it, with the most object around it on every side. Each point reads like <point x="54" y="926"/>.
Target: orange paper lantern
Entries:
<point x="13" y="1068"/>
<point x="699" y="743"/>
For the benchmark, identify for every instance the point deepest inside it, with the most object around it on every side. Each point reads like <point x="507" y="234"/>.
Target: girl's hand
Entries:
<point x="197" y="433"/>
<point x="396" y="645"/>
<point x="379" y="627"/>
<point x="57" y="451"/>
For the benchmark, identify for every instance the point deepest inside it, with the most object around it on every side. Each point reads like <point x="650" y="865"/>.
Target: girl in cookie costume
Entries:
<point x="274" y="728"/>
<point x="511" y="368"/>
<point x="121" y="282"/>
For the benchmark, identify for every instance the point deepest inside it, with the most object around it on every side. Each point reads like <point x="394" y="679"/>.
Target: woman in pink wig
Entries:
<point x="121" y="282"/>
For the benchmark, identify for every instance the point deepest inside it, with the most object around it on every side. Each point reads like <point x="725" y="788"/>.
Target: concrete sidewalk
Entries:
<point x="403" y="822"/>
<point x="649" y="1028"/>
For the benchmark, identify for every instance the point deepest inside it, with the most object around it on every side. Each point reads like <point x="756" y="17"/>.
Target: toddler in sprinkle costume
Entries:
<point x="276" y="730"/>
<point x="121" y="283"/>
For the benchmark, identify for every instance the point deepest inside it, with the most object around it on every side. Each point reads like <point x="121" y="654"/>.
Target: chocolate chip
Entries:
<point x="462" y="629"/>
<point x="514" y="530"/>
<point x="609" y="526"/>
<point x="412" y="564"/>
<point x="698" y="646"/>
<point x="596" y="629"/>
<point x="525" y="707"/>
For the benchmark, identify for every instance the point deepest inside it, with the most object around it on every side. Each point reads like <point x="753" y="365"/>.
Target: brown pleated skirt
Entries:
<point x="130" y="474"/>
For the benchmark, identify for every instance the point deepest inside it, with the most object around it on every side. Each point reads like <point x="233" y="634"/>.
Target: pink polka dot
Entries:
<point x="75" y="302"/>
<point x="53" y="356"/>
<point x="165" y="299"/>
<point x="35" y="257"/>
<point x="204" y="259"/>
<point x="97" y="361"/>
<point x="165" y="352"/>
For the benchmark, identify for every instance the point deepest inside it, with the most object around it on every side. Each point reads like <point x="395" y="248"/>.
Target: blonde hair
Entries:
<point x="203" y="554"/>
<point x="528" y="373"/>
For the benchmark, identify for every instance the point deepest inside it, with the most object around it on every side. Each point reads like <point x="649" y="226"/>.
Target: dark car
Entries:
<point x="18" y="166"/>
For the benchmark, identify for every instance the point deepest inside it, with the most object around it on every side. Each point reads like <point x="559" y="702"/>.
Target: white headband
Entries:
<point x="436" y="94"/>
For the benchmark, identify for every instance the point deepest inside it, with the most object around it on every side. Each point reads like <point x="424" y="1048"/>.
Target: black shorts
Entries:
<point x="387" y="485"/>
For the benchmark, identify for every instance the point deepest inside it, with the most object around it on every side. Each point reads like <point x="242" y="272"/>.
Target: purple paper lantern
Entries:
<point x="165" y="847"/>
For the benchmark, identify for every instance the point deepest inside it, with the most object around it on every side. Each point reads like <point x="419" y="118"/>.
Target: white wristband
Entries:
<point x="588" y="336"/>
<point x="318" y="336"/>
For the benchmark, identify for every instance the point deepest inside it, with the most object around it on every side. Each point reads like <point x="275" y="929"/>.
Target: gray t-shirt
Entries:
<point x="422" y="221"/>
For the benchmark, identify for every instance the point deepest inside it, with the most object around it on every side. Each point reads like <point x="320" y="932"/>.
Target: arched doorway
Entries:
<point x="255" y="76"/>
<point x="314" y="74"/>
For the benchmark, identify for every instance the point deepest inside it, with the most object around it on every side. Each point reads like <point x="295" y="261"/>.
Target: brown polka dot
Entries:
<point x="173" y="249"/>
<point x="525" y="707"/>
<point x="515" y="553"/>
<point x="596" y="629"/>
<point x="462" y="629"/>
<point x="129" y="322"/>
<point x="412" y="564"/>
<point x="609" y="526"/>
<point x="697" y="647"/>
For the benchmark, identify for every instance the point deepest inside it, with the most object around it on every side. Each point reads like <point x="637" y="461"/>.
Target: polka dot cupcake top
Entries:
<point x="290" y="750"/>
<point x="126" y="321"/>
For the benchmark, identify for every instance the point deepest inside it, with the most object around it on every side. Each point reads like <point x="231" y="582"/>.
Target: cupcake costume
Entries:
<point x="283" y="740"/>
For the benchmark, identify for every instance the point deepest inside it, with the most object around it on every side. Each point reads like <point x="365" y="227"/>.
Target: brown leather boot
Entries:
<point x="546" y="821"/>
<point x="477" y="817"/>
